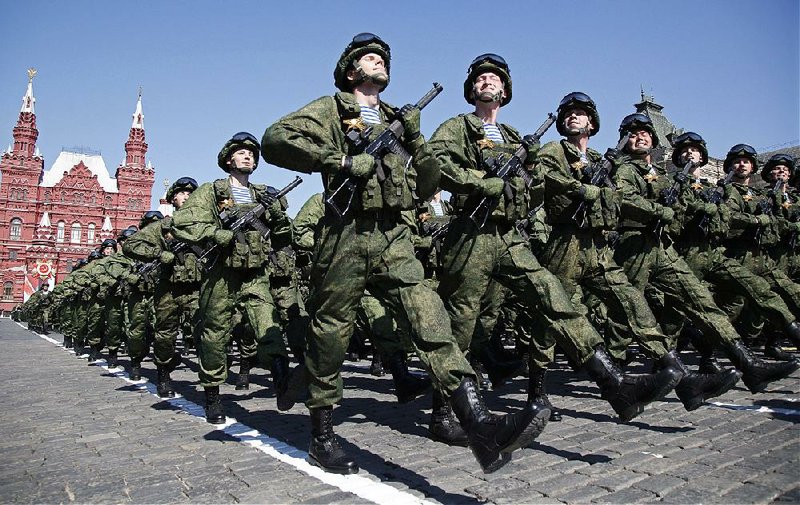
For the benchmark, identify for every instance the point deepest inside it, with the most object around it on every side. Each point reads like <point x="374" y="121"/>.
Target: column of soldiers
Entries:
<point x="576" y="250"/>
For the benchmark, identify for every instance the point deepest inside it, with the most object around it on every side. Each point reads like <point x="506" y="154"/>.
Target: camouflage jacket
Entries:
<point x="462" y="149"/>
<point x="147" y="245"/>
<point x="746" y="228"/>
<point x="641" y="186"/>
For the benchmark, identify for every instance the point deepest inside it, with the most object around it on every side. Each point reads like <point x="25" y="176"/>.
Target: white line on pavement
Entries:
<point x="757" y="408"/>
<point x="363" y="487"/>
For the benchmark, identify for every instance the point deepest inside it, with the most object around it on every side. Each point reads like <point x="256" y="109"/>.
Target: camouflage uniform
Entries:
<point x="237" y="280"/>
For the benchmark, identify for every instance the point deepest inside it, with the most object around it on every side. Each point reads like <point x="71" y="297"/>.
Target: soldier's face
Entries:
<point x="373" y="67"/>
<point x="577" y="120"/>
<point x="780" y="172"/>
<point x="640" y="142"/>
<point x="691" y="153"/>
<point x="108" y="251"/>
<point x="242" y="160"/>
<point x="180" y="198"/>
<point x="742" y="167"/>
<point x="489" y="87"/>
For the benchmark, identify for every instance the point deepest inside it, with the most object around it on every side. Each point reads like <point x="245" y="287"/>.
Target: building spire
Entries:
<point x="136" y="147"/>
<point x="138" y="116"/>
<point x="28" y="100"/>
<point x="25" y="132"/>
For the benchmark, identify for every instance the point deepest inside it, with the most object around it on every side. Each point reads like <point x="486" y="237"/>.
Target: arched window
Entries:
<point x="75" y="237"/>
<point x="69" y="265"/>
<point x="90" y="233"/>
<point x="16" y="229"/>
<point x="60" y="232"/>
<point x="8" y="290"/>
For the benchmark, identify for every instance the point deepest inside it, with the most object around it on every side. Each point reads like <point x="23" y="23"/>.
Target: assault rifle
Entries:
<point x="340" y="199"/>
<point x="250" y="220"/>
<point x="179" y="249"/>
<point x="522" y="224"/>
<point x="505" y="169"/>
<point x="794" y="218"/>
<point x="765" y="206"/>
<point x="714" y="196"/>
<point x="669" y="196"/>
<point x="600" y="175"/>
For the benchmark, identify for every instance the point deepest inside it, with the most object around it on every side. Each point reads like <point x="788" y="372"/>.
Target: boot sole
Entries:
<point x="529" y="434"/>
<point x="340" y="471"/>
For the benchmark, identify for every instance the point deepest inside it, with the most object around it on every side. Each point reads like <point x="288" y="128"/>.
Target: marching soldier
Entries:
<point x="175" y="296"/>
<point x="238" y="278"/>
<point x="363" y="243"/>
<point x="646" y="253"/>
<point x="475" y="254"/>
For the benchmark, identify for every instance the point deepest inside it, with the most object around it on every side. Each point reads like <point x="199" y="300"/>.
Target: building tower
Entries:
<point x="136" y="175"/>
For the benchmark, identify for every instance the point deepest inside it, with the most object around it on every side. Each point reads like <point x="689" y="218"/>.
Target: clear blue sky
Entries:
<point x="727" y="69"/>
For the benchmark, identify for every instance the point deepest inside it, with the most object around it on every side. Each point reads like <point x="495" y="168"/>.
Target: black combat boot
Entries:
<point x="135" y="372"/>
<point x="695" y="388"/>
<point x="280" y="375"/>
<point x="444" y="426"/>
<point x="628" y="394"/>
<point x="325" y="451"/>
<point x="94" y="353"/>
<point x="68" y="343"/>
<point x="773" y="349"/>
<point x="376" y="368"/>
<point x="407" y="386"/>
<point x="499" y="371"/>
<point x="214" y="414"/>
<point x="757" y="374"/>
<point x="243" y="381"/>
<point x="164" y="386"/>
<point x="537" y="393"/>
<point x="296" y="388"/>
<point x="480" y="373"/>
<point x="493" y="438"/>
<point x="793" y="332"/>
<point x="111" y="362"/>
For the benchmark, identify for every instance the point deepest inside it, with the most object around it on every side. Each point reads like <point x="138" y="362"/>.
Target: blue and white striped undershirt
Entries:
<point x="241" y="195"/>
<point x="492" y="132"/>
<point x="370" y="115"/>
<point x="436" y="207"/>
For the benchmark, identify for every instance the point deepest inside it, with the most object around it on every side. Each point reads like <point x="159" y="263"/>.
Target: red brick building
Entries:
<point x="49" y="219"/>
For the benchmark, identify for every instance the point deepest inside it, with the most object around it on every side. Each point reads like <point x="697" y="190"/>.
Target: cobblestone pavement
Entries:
<point x="76" y="433"/>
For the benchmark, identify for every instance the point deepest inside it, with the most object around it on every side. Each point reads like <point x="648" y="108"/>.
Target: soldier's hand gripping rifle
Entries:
<point x="340" y="199"/>
<point x="250" y="220"/>
<point x="714" y="196"/>
<point x="669" y="196"/>
<point x="522" y="224"/>
<point x="765" y="206"/>
<point x="506" y="169"/>
<point x="600" y="175"/>
<point x="179" y="249"/>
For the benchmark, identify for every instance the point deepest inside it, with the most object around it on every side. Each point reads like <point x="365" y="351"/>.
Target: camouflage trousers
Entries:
<point x="175" y="305"/>
<point x="141" y="318"/>
<point x="95" y="322"/>
<point x="374" y="321"/>
<point x="225" y="290"/>
<point x="78" y="322"/>
<point x="373" y="253"/>
<point x="584" y="263"/>
<point x="471" y="259"/>
<point x="649" y="262"/>
<point x="291" y="312"/>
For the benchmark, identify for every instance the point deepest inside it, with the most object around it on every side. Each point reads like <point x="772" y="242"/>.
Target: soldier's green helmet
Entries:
<point x="109" y="242"/>
<point x="488" y="62"/>
<point x="638" y="121"/>
<point x="577" y="100"/>
<point x="151" y="216"/>
<point x="126" y="233"/>
<point x="685" y="140"/>
<point x="363" y="43"/>
<point x="241" y="140"/>
<point x="183" y="184"/>
<point x="94" y="255"/>
<point x="778" y="159"/>
<point x="740" y="151"/>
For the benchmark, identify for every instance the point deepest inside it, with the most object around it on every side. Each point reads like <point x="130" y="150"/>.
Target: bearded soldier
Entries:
<point x="367" y="245"/>
<point x="646" y="253"/>
<point x="474" y="253"/>
<point x="238" y="278"/>
<point x="175" y="296"/>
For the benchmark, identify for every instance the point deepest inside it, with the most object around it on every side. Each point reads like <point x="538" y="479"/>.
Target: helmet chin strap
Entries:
<point x="488" y="97"/>
<point x="362" y="76"/>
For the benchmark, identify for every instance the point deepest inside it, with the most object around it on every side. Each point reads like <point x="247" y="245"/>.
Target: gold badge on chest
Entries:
<point x="651" y="177"/>
<point x="225" y="204"/>
<point x="747" y="197"/>
<point x="485" y="144"/>
<point x="355" y="124"/>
